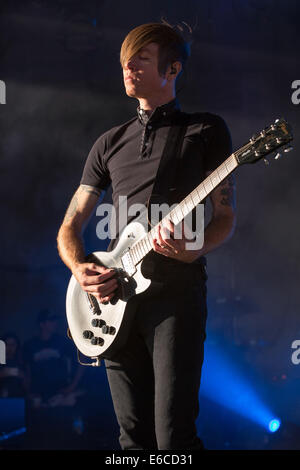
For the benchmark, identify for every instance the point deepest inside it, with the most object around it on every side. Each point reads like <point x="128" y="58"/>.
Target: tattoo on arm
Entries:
<point x="228" y="192"/>
<point x="90" y="189"/>
<point x="71" y="211"/>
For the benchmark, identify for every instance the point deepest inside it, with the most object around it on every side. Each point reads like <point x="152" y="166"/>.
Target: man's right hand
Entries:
<point x="96" y="280"/>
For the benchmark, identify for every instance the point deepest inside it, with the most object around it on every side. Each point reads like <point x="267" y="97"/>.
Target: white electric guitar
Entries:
<point x="99" y="330"/>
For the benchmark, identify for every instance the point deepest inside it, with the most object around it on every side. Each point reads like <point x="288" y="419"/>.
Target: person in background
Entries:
<point x="48" y="357"/>
<point x="12" y="383"/>
<point x="52" y="382"/>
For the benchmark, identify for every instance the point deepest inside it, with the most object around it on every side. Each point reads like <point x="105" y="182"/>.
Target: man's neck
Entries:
<point x="150" y="104"/>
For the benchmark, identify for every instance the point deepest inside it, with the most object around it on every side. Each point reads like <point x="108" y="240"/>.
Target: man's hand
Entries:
<point x="96" y="280"/>
<point x="164" y="243"/>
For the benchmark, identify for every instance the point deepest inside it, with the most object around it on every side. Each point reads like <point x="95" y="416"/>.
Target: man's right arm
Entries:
<point x="94" y="279"/>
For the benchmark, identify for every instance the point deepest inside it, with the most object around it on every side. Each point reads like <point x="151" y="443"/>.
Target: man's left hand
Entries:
<point x="165" y="243"/>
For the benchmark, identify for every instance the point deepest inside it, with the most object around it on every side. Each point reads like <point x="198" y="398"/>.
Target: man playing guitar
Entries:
<point x="155" y="378"/>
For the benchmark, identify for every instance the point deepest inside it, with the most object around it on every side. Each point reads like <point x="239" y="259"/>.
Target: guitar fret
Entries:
<point x="132" y="252"/>
<point x="139" y="250"/>
<point x="185" y="209"/>
<point x="144" y="246"/>
<point x="175" y="218"/>
<point x="215" y="179"/>
<point x="136" y="255"/>
<point x="189" y="202"/>
<point x="230" y="164"/>
<point x="148" y="244"/>
<point x="203" y="192"/>
<point x="195" y="197"/>
<point x="205" y="183"/>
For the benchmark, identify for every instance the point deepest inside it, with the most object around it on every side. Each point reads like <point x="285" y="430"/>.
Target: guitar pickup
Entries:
<point x="128" y="264"/>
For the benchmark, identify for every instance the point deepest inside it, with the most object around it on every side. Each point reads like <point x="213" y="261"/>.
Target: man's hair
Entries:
<point x="172" y="45"/>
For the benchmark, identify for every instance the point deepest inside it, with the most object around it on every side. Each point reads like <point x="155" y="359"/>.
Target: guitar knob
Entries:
<point x="97" y="341"/>
<point x="105" y="329"/>
<point x="98" y="323"/>
<point x="87" y="334"/>
<point x="96" y="311"/>
<point x="111" y="330"/>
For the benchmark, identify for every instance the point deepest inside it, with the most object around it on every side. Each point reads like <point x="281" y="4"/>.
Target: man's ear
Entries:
<point x="174" y="70"/>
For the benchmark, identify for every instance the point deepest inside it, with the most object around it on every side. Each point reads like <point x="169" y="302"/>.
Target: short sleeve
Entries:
<point x="95" y="172"/>
<point x="218" y="144"/>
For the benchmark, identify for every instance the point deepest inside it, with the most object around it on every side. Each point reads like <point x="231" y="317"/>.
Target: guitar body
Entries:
<point x="118" y="313"/>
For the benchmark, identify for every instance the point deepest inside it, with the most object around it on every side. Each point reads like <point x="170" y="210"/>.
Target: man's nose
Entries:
<point x="130" y="64"/>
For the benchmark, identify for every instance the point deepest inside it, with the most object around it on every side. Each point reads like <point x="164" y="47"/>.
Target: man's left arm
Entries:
<point x="219" y="229"/>
<point x="223" y="220"/>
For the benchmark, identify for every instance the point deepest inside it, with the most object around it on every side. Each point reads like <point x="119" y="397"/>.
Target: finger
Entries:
<point x="163" y="250"/>
<point x="110" y="274"/>
<point x="88" y="280"/>
<point x="96" y="268"/>
<point x="106" y="299"/>
<point x="167" y="243"/>
<point x="103" y="289"/>
<point x="169" y="225"/>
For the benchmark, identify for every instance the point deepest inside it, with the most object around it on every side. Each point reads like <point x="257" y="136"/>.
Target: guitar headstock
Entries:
<point x="271" y="138"/>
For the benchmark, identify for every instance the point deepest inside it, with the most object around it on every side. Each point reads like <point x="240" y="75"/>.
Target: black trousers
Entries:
<point x="154" y="380"/>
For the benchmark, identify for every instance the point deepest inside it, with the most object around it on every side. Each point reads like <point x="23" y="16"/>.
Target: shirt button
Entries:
<point x="150" y="127"/>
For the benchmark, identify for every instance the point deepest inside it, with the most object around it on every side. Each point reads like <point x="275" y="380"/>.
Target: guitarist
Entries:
<point x="155" y="378"/>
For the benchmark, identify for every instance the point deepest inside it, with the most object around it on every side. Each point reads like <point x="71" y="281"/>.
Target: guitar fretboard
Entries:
<point x="142" y="247"/>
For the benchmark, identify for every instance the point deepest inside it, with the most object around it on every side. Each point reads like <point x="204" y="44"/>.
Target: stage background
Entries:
<point x="60" y="63"/>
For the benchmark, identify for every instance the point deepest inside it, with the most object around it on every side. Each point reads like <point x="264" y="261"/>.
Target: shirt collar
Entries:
<point x="165" y="110"/>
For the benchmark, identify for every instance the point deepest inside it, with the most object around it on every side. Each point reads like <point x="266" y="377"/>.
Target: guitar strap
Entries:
<point x="164" y="188"/>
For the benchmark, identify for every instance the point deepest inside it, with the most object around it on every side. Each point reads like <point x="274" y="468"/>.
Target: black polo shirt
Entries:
<point x="127" y="156"/>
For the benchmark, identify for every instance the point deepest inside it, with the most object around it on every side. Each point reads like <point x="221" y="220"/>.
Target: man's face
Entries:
<point x="140" y="73"/>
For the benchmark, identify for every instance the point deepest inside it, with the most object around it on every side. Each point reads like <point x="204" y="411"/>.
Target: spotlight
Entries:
<point x="274" y="425"/>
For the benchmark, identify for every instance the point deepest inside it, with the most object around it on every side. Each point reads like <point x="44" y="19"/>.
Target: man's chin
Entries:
<point x="132" y="92"/>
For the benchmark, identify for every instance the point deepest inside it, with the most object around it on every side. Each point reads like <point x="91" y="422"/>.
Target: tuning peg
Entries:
<point x="266" y="162"/>
<point x="277" y="120"/>
<point x="287" y="149"/>
<point x="278" y="155"/>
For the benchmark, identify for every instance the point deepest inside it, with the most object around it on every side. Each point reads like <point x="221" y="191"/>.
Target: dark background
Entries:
<point x="60" y="63"/>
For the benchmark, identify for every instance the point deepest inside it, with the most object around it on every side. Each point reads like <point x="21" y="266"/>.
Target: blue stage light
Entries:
<point x="226" y="383"/>
<point x="274" y="425"/>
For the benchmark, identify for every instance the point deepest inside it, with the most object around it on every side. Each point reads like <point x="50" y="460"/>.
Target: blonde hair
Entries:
<point x="172" y="46"/>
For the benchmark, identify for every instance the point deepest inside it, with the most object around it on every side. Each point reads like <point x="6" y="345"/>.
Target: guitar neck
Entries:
<point x="141" y="248"/>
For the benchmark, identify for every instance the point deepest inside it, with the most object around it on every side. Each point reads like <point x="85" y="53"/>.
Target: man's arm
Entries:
<point x="94" y="279"/>
<point x="222" y="224"/>
<point x="219" y="229"/>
